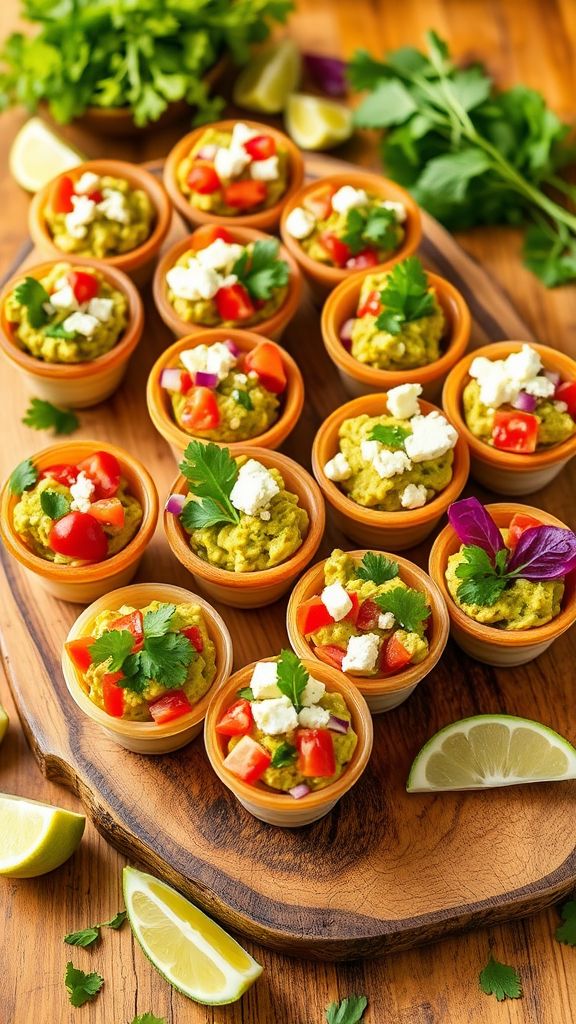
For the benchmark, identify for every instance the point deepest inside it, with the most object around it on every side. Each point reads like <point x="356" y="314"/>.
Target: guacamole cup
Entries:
<point x="361" y="378"/>
<point x="74" y="385"/>
<point x="500" y="471"/>
<point x="148" y="737"/>
<point x="264" y="220"/>
<point x="160" y="406"/>
<point x="272" y="327"/>
<point x="263" y="587"/>
<point x="394" y="531"/>
<point x="323" y="278"/>
<point x="489" y="644"/>
<point x="138" y="263"/>
<point x="272" y="806"/>
<point x="381" y="693"/>
<point x="84" y="583"/>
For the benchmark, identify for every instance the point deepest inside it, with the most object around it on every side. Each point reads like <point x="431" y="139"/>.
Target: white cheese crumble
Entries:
<point x="402" y="401"/>
<point x="388" y="464"/>
<point x="300" y="223"/>
<point x="193" y="282"/>
<point x="216" y="358"/>
<point x="398" y="208"/>
<point x="338" y="468"/>
<point x="432" y="436"/>
<point x="101" y="309"/>
<point x="361" y="653"/>
<point x="314" y="718"/>
<point x="539" y="387"/>
<point x="64" y="298"/>
<point x="413" y="496"/>
<point x="501" y="380"/>
<point x="347" y="198"/>
<point x="83" y="213"/>
<point x="369" y="450"/>
<point x="81" y="323"/>
<point x="220" y="255"/>
<point x="336" y="600"/>
<point x="82" y="491"/>
<point x="385" y="620"/>
<point x="263" y="682"/>
<point x="264" y="170"/>
<point x="87" y="182"/>
<point x="254" y="489"/>
<point x="275" y="716"/>
<point x="114" y="206"/>
<point x="312" y="692"/>
<point x="242" y="133"/>
<point x="230" y="162"/>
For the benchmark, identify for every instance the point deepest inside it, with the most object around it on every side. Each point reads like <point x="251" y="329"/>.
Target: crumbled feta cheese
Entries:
<point x="361" y="653"/>
<point x="348" y="197"/>
<point x="338" y="468"/>
<point x="240" y="378"/>
<point x="193" y="282"/>
<point x="561" y="406"/>
<point x="314" y="718"/>
<point x="385" y="620"/>
<point x="83" y="213"/>
<point x="274" y="716"/>
<point x="114" y="206"/>
<point x="64" y="298"/>
<point x="220" y="360"/>
<point x="82" y="491"/>
<point x="229" y="163"/>
<point x="540" y="387"/>
<point x="300" y="223"/>
<point x="336" y="600"/>
<point x="501" y="380"/>
<point x="87" y="182"/>
<point x="241" y="133"/>
<point x="101" y="309"/>
<point x="523" y="365"/>
<point x="432" y="436"/>
<point x="254" y="489"/>
<point x="194" y="359"/>
<point x="312" y="692"/>
<point x="413" y="496"/>
<point x="398" y="208"/>
<point x="388" y="464"/>
<point x="228" y="281"/>
<point x="402" y="401"/>
<point x="369" y="450"/>
<point x="81" y="323"/>
<point x="263" y="682"/>
<point x="219" y="255"/>
<point x="264" y="170"/>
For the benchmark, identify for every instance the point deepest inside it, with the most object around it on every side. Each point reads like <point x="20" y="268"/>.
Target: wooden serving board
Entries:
<point x="384" y="870"/>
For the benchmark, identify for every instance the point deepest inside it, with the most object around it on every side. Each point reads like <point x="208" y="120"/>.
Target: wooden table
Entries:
<point x="533" y="41"/>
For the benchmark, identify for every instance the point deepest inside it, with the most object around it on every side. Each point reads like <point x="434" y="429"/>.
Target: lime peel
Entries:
<point x="317" y="123"/>
<point x="36" y="837"/>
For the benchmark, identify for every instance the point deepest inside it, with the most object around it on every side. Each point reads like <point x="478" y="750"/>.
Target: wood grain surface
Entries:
<point x="429" y="985"/>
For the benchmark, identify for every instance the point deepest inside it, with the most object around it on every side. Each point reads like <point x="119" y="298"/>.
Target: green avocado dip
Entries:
<point x="99" y="216"/>
<point x="68" y="315"/>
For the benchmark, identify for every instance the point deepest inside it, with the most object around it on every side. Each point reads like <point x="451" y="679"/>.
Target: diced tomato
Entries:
<point x="372" y="306"/>
<point x="337" y="249"/>
<point x="237" y="720"/>
<point x="112" y="694"/>
<point x="132" y="623"/>
<point x="194" y="635"/>
<point x="260" y="147"/>
<point x="266" y="361"/>
<point x="316" y="758"/>
<point x="109" y="511"/>
<point x="200" y="411"/>
<point x="78" y="535"/>
<point x="104" y="471"/>
<point x="172" y="705"/>
<point x="518" y="525"/>
<point x="330" y="654"/>
<point x="368" y="614"/>
<point x="352" y="615"/>
<point x="203" y="179"/>
<point x="96" y="196"/>
<point x="566" y="392"/>
<point x="515" y="431"/>
<point x="61" y="197"/>
<point x="241" y="195"/>
<point x="208" y="233"/>
<point x="85" y="286"/>
<point x="64" y="472"/>
<point x="234" y="303"/>
<point x="79" y="653"/>
<point x="319" y="202"/>
<point x="313" y="614"/>
<point x="363" y="260"/>
<point x="248" y="760"/>
<point x="394" y="656"/>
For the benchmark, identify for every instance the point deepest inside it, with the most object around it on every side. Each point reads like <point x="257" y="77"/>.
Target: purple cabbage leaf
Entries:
<point x="473" y="525"/>
<point x="543" y="553"/>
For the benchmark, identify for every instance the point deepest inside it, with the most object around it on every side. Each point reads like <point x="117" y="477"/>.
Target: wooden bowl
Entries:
<point x="277" y="808"/>
<point x="139" y="262"/>
<point x="254" y="589"/>
<point x="82" y="584"/>
<point x="487" y="643"/>
<point x="381" y="693"/>
<point x="323" y="278"/>
<point x="273" y="327"/>
<point x="75" y="385"/>
<point x="360" y="378"/>
<point x="508" y="472"/>
<point x="160" y="406"/>
<point x="264" y="220"/>
<point x="394" y="531"/>
<point x="148" y="737"/>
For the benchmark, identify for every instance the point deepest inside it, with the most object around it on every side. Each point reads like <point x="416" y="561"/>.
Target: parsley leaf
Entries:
<point x="211" y="473"/>
<point x="292" y="676"/>
<point x="81" y="987"/>
<point x="261" y="271"/>
<point x="42" y="415"/>
<point x="165" y="656"/>
<point x="499" y="980"/>
<point x="148" y="1018"/>
<point x="85" y="937"/>
<point x="408" y="606"/>
<point x="115" y="644"/>
<point x="157" y="622"/>
<point x="115" y="922"/>
<point x="405" y="297"/>
<point x="23" y="477"/>
<point x="392" y="435"/>
<point x="283" y="756"/>
<point x="243" y="398"/>
<point x="58" y="331"/>
<point x="166" y="659"/>
<point x="377" y="568"/>
<point x="483" y="581"/>
<point x="31" y="294"/>
<point x="54" y="504"/>
<point x="376" y="226"/>
<point x="246" y="693"/>
<point x="347" y="1011"/>
<point x="566" y="932"/>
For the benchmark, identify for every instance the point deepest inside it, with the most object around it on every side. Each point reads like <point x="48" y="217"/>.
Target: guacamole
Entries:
<point x="104" y="216"/>
<point x="82" y="316"/>
<point x="554" y="422"/>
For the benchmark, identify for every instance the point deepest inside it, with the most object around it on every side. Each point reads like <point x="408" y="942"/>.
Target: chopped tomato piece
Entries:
<point x="266" y="361"/>
<point x="352" y="615"/>
<point x="394" y="656"/>
<point x="208" y="233"/>
<point x="363" y="260"/>
<point x="335" y="247"/>
<point x="113" y="694"/>
<point x="109" y="511"/>
<point x="78" y="535"/>
<point x="319" y="202"/>
<point x="241" y="195"/>
<point x="316" y="758"/>
<point x="96" y="196"/>
<point x="260" y="147"/>
<point x="172" y="705"/>
<point x="372" y="306"/>
<point x="64" y="472"/>
<point x="566" y="392"/>
<point x="203" y="179"/>
<point x="313" y="614"/>
<point x="518" y="525"/>
<point x="368" y="614"/>
<point x="104" y="470"/>
<point x="194" y="635"/>
<point x="132" y="623"/>
<point x="85" y="286"/>
<point x="61" y="197"/>
<point x="331" y="654"/>
<point x="79" y="651"/>
<point x="237" y="721"/>
<point x="234" y="303"/>
<point x="248" y="760"/>
<point x="200" y="411"/>
<point x="515" y="431"/>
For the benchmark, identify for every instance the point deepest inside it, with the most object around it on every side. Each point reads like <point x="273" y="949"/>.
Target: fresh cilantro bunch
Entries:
<point x="376" y="227"/>
<point x="470" y="154"/>
<point x="261" y="271"/>
<point x="139" y="54"/>
<point x="165" y="656"/>
<point x="211" y="473"/>
<point x="406" y="296"/>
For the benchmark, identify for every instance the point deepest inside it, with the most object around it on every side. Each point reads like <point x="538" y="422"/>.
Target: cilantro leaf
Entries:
<point x="246" y="693"/>
<point x="85" y="937"/>
<point x="406" y="296"/>
<point x="377" y="568"/>
<point x="408" y="606"/>
<point x="148" y="1018"/>
<point x="284" y="755"/>
<point x="114" y="644"/>
<point x="58" y="331"/>
<point x="31" y="294"/>
<point x="211" y="473"/>
<point x="483" y="580"/>
<point x="292" y="676"/>
<point x="566" y="932"/>
<point x="243" y="399"/>
<point x="81" y="987"/>
<point x="392" y="435"/>
<point x="347" y="1011"/>
<point x="376" y="226"/>
<point x="115" y="922"/>
<point x="23" y="477"/>
<point x="261" y="271"/>
<point x="165" y="659"/>
<point x="54" y="504"/>
<point x="157" y="622"/>
<point x="499" y="980"/>
<point x="42" y="415"/>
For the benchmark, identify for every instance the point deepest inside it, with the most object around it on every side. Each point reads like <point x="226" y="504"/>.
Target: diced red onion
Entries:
<point x="175" y="504"/>
<point x="299" y="791"/>
<point x="525" y="402"/>
<point x="327" y="72"/>
<point x="207" y="152"/>
<point x="232" y="346"/>
<point x="205" y="380"/>
<point x="171" y="379"/>
<point x="553" y="376"/>
<point x="338" y="724"/>
<point x="346" y="333"/>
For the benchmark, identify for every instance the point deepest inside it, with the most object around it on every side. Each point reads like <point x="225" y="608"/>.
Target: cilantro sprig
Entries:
<point x="86" y="937"/>
<point x="483" y="580"/>
<point x="292" y="677"/>
<point x="81" y="987"/>
<point x="390" y="434"/>
<point x="32" y="295"/>
<point x="375" y="227"/>
<point x="406" y="296"/>
<point x="500" y="980"/>
<point x="261" y="271"/>
<point x="408" y="606"/>
<point x="566" y="932"/>
<point x="347" y="1011"/>
<point x="148" y="1018"/>
<point x="42" y="415"/>
<point x="377" y="568"/>
<point x="23" y="477"/>
<point x="284" y="756"/>
<point x="211" y="473"/>
<point x="54" y="504"/>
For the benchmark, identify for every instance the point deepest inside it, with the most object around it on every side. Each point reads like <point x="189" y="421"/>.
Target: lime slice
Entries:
<point x="37" y="155"/>
<point x="489" y="751"/>
<point x="267" y="81"/>
<point x="188" y="949"/>
<point x="3" y="723"/>
<point x="316" y="123"/>
<point x="35" y="838"/>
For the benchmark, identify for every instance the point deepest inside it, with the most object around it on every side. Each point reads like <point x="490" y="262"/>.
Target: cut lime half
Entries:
<point x="488" y="751"/>
<point x="4" y="722"/>
<point x="35" y="838"/>
<point x="37" y="155"/>
<point x="269" y="78"/>
<point x="316" y="123"/>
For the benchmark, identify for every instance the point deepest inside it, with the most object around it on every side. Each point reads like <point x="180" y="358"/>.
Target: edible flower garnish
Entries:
<point x="406" y="297"/>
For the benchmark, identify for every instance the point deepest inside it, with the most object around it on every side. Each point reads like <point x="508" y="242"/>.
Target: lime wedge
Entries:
<point x="189" y="950"/>
<point x="3" y="723"/>
<point x="37" y="155"/>
<point x="267" y="81"/>
<point x="35" y="838"/>
<point x="489" y="751"/>
<point x="316" y="123"/>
